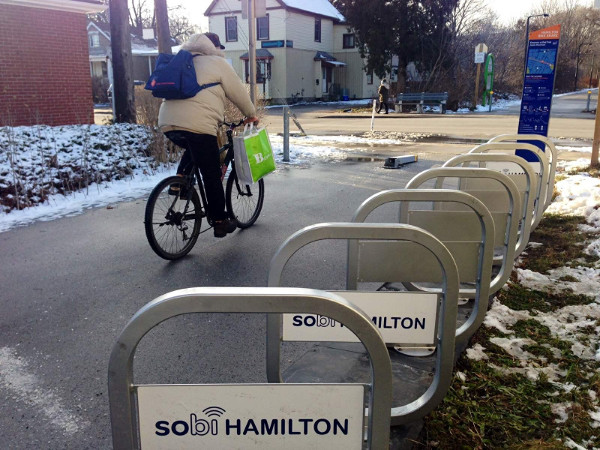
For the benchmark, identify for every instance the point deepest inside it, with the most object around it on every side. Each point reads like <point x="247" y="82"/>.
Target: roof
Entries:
<point x="320" y="7"/>
<point x="261" y="53"/>
<point x="139" y="46"/>
<point x="317" y="7"/>
<point x="324" y="56"/>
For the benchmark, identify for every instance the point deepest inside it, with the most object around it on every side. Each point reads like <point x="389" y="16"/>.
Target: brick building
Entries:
<point x="45" y="72"/>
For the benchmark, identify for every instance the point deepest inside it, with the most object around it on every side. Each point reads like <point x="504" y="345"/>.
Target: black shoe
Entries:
<point x="178" y="189"/>
<point x="222" y="227"/>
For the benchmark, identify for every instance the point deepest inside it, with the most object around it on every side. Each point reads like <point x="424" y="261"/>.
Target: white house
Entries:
<point x="304" y="50"/>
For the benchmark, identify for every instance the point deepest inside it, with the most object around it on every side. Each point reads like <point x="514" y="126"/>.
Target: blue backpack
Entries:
<point x="174" y="77"/>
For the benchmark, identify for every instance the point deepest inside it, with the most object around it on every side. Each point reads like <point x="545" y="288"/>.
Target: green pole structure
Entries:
<point x="488" y="76"/>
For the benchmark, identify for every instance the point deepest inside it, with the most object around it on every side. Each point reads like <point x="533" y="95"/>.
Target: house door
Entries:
<point x="326" y="77"/>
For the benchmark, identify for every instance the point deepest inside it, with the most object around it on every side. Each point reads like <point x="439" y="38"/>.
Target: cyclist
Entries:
<point x="193" y="123"/>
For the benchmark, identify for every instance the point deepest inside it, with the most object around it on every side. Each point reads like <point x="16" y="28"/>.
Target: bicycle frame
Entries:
<point x="228" y="147"/>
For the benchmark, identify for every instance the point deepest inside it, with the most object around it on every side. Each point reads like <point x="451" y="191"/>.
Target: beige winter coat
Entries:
<point x="203" y="112"/>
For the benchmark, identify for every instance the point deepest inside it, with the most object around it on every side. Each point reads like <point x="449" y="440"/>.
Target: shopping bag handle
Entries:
<point x="249" y="129"/>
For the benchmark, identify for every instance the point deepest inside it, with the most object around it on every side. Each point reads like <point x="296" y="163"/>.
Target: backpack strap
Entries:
<point x="207" y="85"/>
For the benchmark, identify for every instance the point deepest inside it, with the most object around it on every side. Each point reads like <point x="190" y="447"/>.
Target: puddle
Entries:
<point x="363" y="159"/>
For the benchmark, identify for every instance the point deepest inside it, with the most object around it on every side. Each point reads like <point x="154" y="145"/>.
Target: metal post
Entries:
<point x="596" y="142"/>
<point x="373" y="114"/>
<point x="587" y="108"/>
<point x="286" y="134"/>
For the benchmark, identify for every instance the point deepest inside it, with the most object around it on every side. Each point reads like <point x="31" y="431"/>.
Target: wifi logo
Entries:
<point x="214" y="411"/>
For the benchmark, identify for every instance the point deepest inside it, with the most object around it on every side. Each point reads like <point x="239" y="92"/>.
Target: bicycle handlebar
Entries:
<point x="233" y="125"/>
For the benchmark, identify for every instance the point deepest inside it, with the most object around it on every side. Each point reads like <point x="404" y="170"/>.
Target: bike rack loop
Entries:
<point x="510" y="240"/>
<point x="529" y="200"/>
<point x="244" y="300"/>
<point x="522" y="138"/>
<point x="541" y="202"/>
<point x="446" y="195"/>
<point x="447" y="310"/>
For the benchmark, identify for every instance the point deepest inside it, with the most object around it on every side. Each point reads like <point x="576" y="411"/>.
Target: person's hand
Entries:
<point x="251" y="120"/>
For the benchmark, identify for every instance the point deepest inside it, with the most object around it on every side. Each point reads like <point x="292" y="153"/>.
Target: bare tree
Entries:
<point x="122" y="62"/>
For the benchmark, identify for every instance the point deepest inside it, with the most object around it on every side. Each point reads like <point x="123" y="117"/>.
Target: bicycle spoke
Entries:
<point x="172" y="223"/>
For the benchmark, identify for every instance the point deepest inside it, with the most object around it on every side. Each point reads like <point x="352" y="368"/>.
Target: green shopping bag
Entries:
<point x="253" y="155"/>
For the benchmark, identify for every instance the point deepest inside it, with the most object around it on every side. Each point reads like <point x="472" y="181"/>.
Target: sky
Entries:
<point x="508" y="10"/>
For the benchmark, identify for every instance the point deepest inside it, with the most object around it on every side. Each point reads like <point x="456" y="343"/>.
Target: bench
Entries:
<point x="422" y="98"/>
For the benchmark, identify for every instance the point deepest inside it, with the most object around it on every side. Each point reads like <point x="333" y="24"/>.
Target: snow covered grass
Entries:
<point x="52" y="172"/>
<point x="531" y="377"/>
<point x="37" y="163"/>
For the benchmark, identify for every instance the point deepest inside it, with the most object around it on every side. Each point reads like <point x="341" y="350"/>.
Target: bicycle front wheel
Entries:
<point x="244" y="202"/>
<point x="173" y="218"/>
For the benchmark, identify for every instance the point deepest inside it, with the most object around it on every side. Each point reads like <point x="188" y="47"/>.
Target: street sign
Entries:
<point x="538" y="85"/>
<point x="407" y="318"/>
<point x="480" y="51"/>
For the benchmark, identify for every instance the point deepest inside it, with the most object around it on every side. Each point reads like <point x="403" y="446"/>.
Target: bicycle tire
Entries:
<point x="243" y="205"/>
<point x="168" y="218"/>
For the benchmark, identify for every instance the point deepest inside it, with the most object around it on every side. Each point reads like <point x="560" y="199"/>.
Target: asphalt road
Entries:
<point x="569" y="121"/>
<point x="69" y="286"/>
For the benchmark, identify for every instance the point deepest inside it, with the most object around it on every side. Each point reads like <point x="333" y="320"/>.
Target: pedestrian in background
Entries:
<point x="384" y="92"/>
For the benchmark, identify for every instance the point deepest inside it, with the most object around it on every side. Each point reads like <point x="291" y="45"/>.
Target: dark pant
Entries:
<point x="203" y="151"/>
<point x="382" y="104"/>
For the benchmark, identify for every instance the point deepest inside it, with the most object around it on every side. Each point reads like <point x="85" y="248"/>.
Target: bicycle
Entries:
<point x="174" y="211"/>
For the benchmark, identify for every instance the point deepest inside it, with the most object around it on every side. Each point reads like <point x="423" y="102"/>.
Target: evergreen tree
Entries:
<point x="413" y="30"/>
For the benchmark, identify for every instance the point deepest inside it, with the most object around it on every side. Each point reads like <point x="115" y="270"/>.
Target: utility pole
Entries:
<point x="252" y="50"/>
<point x="162" y="26"/>
<point x="122" y="62"/>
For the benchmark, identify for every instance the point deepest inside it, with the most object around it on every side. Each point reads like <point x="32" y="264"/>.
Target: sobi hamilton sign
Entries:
<point x="400" y="317"/>
<point x="251" y="416"/>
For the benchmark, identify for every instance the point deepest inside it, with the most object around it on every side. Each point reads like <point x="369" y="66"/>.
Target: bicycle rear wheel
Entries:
<point x="244" y="202"/>
<point x="172" y="222"/>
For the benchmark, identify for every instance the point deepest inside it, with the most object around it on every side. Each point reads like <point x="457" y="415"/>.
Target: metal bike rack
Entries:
<point x="527" y="198"/>
<point x="544" y="175"/>
<point x="443" y="222"/>
<point x="506" y="225"/>
<point x="446" y="307"/>
<point x="552" y="152"/>
<point x="123" y="392"/>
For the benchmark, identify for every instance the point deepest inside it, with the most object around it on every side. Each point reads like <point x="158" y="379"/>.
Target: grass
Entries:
<point x="562" y="240"/>
<point x="542" y="395"/>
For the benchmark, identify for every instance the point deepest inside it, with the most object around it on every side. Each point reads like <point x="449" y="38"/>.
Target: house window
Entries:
<point x="94" y="39"/>
<point x="369" y="77"/>
<point x="317" y="30"/>
<point x="263" y="70"/>
<point x="262" y="28"/>
<point x="231" y="33"/>
<point x="349" y="41"/>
